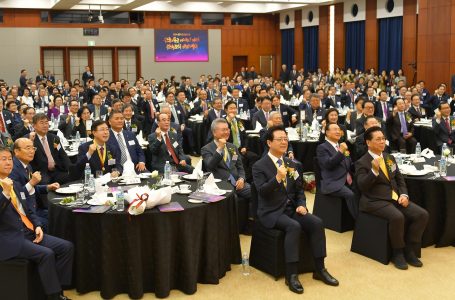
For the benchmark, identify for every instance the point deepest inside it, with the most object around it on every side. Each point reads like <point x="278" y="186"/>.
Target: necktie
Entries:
<point x="47" y="151"/>
<point x="128" y="125"/>
<point x="384" y="108"/>
<point x="348" y="176"/>
<point x="449" y="141"/>
<point x="24" y="218"/>
<point x="152" y="110"/>
<point x="123" y="157"/>
<point x="170" y="149"/>
<point x="2" y="125"/>
<point x="279" y="162"/>
<point x="266" y="116"/>
<point x="384" y="170"/>
<point x="227" y="161"/>
<point x="174" y="114"/>
<point x="404" y="127"/>
<point x="235" y="133"/>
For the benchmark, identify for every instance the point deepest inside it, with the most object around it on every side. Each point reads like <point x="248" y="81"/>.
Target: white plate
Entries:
<point x="77" y="185"/>
<point x="217" y="180"/>
<point x="144" y="175"/>
<point x="68" y="190"/>
<point x="194" y="201"/>
<point x="190" y="177"/>
<point x="184" y="192"/>
<point x="217" y="192"/>
<point x="103" y="202"/>
<point x="419" y="173"/>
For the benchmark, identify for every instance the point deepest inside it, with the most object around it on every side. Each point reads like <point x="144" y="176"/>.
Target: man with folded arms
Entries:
<point x="384" y="194"/>
<point x="282" y="205"/>
<point x="21" y="235"/>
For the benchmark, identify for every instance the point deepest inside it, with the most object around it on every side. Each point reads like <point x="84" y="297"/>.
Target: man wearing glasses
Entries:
<point x="282" y="205"/>
<point x="68" y="121"/>
<point x="22" y="173"/>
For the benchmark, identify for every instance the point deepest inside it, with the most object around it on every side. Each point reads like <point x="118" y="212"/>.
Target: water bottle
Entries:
<point x="305" y="133"/>
<point x="248" y="114"/>
<point x="52" y="120"/>
<point x="351" y="106"/>
<point x="245" y="264"/>
<point x="443" y="166"/>
<point x="91" y="184"/>
<point x="87" y="173"/>
<point x="120" y="201"/>
<point x="78" y="137"/>
<point x="399" y="159"/>
<point x="443" y="150"/>
<point x="167" y="171"/>
<point x="418" y="149"/>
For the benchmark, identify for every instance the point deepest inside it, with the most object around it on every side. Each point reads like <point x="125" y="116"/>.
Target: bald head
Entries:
<point x="24" y="150"/>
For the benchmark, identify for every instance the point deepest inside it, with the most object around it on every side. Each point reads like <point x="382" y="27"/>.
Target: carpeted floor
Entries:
<point x="360" y="277"/>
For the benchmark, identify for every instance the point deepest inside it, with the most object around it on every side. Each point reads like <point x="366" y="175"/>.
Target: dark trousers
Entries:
<point x="54" y="258"/>
<point x="188" y="141"/>
<point x="415" y="217"/>
<point x="349" y="197"/>
<point x="292" y="223"/>
<point x="248" y="160"/>
<point x="409" y="144"/>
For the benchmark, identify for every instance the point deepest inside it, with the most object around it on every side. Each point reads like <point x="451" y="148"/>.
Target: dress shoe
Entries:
<point x="325" y="277"/>
<point x="412" y="259"/>
<point x="399" y="262"/>
<point x="294" y="284"/>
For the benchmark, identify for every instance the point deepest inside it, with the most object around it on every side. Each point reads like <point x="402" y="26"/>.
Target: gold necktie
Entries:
<point x="386" y="173"/>
<point x="24" y="218"/>
<point x="225" y="155"/>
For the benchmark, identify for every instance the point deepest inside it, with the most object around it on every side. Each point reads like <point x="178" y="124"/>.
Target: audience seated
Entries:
<point x="401" y="128"/>
<point x="443" y="128"/>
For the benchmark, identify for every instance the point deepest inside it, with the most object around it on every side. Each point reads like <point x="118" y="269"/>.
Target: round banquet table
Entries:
<point x="437" y="197"/>
<point x="152" y="252"/>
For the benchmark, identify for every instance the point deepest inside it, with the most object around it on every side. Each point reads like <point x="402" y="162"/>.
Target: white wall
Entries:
<point x="20" y="49"/>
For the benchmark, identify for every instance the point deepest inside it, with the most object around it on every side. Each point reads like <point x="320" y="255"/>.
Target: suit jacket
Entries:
<point x="20" y="131"/>
<point x="148" y="121"/>
<point x="284" y="75"/>
<point x="136" y="125"/>
<point x="133" y="147"/>
<point x="273" y="197"/>
<point x="242" y="105"/>
<point x="418" y="113"/>
<point x="242" y="132"/>
<point x="8" y="121"/>
<point x="328" y="102"/>
<point x="433" y="102"/>
<point x="286" y="114"/>
<point x="39" y="162"/>
<point x="259" y="116"/>
<point x="159" y="151"/>
<point x="65" y="128"/>
<point x="211" y="116"/>
<point x="213" y="162"/>
<point x="393" y="124"/>
<point x="95" y="161"/>
<point x="293" y="74"/>
<point x="361" y="121"/>
<point x="334" y="167"/>
<point x="441" y="131"/>
<point x="11" y="226"/>
<point x="376" y="191"/>
<point x="320" y="113"/>
<point x="103" y="111"/>
<point x="180" y="114"/>
<point x="379" y="111"/>
<point x="81" y="128"/>
<point x="21" y="175"/>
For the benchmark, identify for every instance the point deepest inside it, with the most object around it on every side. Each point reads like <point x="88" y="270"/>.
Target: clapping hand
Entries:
<point x="53" y="186"/>
<point x="36" y="178"/>
<point x="375" y="164"/>
<point x="221" y="144"/>
<point x="343" y="147"/>
<point x="281" y="173"/>
<point x="92" y="149"/>
<point x="7" y="184"/>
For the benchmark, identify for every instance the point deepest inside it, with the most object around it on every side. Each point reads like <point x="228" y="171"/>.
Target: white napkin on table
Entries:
<point x="62" y="138"/>
<point x="104" y="179"/>
<point x="210" y="186"/>
<point x="292" y="133"/>
<point x="197" y="172"/>
<point x="155" y="197"/>
<point x="427" y="153"/>
<point x="128" y="169"/>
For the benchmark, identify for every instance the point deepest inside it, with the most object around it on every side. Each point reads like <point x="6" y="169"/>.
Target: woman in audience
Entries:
<point x="383" y="79"/>
<point x="83" y="123"/>
<point x="332" y="116"/>
<point x="400" y="76"/>
<point x="27" y="98"/>
<point x="56" y="107"/>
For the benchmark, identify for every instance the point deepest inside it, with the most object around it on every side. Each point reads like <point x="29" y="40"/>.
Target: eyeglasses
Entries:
<point x="103" y="129"/>
<point x="29" y="148"/>
<point x="284" y="139"/>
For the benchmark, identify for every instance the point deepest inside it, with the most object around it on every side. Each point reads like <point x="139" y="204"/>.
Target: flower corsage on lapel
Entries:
<point x="109" y="155"/>
<point x="133" y="126"/>
<point x="232" y="151"/>
<point x="408" y="117"/>
<point x="291" y="172"/>
<point x="391" y="166"/>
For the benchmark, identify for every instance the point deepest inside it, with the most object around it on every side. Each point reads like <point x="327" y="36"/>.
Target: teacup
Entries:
<point x="174" y="177"/>
<point x="184" y="187"/>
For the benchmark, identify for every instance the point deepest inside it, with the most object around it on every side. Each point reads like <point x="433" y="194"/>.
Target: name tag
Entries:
<point x="175" y="144"/>
<point x="319" y="118"/>
<point x="393" y="167"/>
<point x="58" y="147"/>
<point x="111" y="162"/>
<point x="23" y="195"/>
<point x="191" y="104"/>
<point x="179" y="112"/>
<point x="134" y="129"/>
<point x="131" y="143"/>
<point x="62" y="109"/>
<point x="8" y="121"/>
<point x="88" y="124"/>
<point x="285" y="113"/>
<point x="235" y="157"/>
<point x="241" y="105"/>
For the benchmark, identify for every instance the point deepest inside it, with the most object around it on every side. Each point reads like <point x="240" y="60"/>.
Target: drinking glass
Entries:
<point x="436" y="171"/>
<point x="114" y="175"/>
<point x="80" y="197"/>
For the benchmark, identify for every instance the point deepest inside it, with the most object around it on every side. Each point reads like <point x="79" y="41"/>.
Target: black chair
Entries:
<point x="19" y="280"/>
<point x="371" y="238"/>
<point x="267" y="248"/>
<point x="332" y="210"/>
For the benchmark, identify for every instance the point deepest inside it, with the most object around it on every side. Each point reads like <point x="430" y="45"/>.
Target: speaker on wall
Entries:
<point x="137" y="17"/>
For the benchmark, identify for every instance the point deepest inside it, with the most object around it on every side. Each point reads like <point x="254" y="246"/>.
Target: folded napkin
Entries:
<point x="407" y="169"/>
<point x="62" y="138"/>
<point x="128" y="169"/>
<point x="210" y="186"/>
<point x="430" y="168"/>
<point x="292" y="134"/>
<point x="427" y="153"/>
<point x="197" y="172"/>
<point x="142" y="197"/>
<point x="104" y="179"/>
<point x="258" y="126"/>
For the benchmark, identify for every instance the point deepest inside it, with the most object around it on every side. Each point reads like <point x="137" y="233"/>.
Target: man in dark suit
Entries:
<point x="314" y="110"/>
<point x="223" y="160"/>
<point x="384" y="194"/>
<point x="99" y="112"/>
<point x="401" y="128"/>
<point x="150" y="109"/>
<point x="216" y="111"/>
<point x="359" y="144"/>
<point x="383" y="109"/>
<point x="91" y="91"/>
<point x="282" y="205"/>
<point x="416" y="110"/>
<point x="164" y="146"/>
<point x="434" y="100"/>
<point x="6" y="121"/>
<point x="443" y="127"/>
<point x="50" y="157"/>
<point x="242" y="104"/>
<point x="368" y="109"/>
<point x="352" y="116"/>
<point x="21" y="234"/>
<point x="125" y="141"/>
<point x="100" y="155"/>
<point x="68" y="121"/>
<point x="24" y="127"/>
<point x="275" y="119"/>
<point x="293" y="73"/>
<point x="22" y="173"/>
<point x="284" y="74"/>
<point x="332" y="99"/>
<point x="370" y="95"/>
<point x="336" y="167"/>
<point x="133" y="123"/>
<point x="262" y="115"/>
<point x="288" y="114"/>
<point x="87" y="75"/>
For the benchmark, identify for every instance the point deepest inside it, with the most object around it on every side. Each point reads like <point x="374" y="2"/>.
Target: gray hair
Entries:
<point x="216" y="122"/>
<point x="314" y="95"/>
<point x="272" y="114"/>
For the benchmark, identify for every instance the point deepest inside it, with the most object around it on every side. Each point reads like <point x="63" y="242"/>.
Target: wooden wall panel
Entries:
<point x="340" y="48"/>
<point x="409" y="39"/>
<point x="371" y="36"/>
<point x="324" y="37"/>
<point x="436" y="42"/>
<point x="298" y="39"/>
<point x="262" y="38"/>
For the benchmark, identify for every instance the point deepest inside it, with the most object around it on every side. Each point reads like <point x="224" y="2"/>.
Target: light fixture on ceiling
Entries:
<point x="90" y="15"/>
<point x="100" y="17"/>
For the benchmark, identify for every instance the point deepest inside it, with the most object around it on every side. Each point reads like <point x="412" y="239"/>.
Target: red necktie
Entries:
<point x="170" y="149"/>
<point x="152" y="110"/>
<point x="448" y="130"/>
<point x="2" y="126"/>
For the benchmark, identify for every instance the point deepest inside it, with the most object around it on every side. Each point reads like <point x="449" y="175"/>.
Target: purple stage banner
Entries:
<point x="181" y="45"/>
